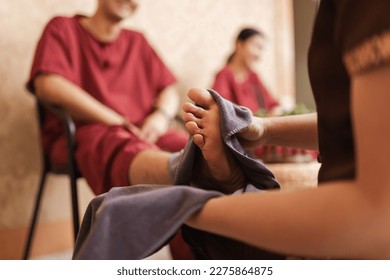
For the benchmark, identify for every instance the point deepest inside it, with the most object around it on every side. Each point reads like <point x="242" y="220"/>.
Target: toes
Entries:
<point x="187" y="117"/>
<point x="197" y="111"/>
<point x="193" y="128"/>
<point x="190" y="118"/>
<point x="188" y="107"/>
<point x="201" y="97"/>
<point x="199" y="140"/>
<point x="196" y="133"/>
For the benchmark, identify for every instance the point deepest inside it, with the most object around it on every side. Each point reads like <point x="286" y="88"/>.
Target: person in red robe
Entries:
<point x="114" y="84"/>
<point x="238" y="82"/>
<point x="118" y="90"/>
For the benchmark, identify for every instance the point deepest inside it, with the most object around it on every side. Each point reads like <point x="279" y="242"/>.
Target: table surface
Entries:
<point x="295" y="175"/>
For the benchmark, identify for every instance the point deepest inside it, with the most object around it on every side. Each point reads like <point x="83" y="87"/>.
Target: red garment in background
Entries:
<point x="250" y="93"/>
<point x="125" y="75"/>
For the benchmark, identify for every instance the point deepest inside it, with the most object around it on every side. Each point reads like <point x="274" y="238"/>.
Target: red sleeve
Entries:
<point x="52" y="54"/>
<point x="222" y="85"/>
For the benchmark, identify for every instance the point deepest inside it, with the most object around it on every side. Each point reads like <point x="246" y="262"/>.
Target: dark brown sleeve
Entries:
<point x="362" y="32"/>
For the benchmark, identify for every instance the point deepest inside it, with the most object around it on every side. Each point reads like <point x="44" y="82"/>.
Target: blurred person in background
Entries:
<point x="118" y="90"/>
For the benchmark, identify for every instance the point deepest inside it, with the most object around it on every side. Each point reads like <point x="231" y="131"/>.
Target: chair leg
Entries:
<point x="35" y="216"/>
<point x="75" y="205"/>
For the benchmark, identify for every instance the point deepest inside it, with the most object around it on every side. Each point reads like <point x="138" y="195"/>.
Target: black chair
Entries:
<point x="70" y="169"/>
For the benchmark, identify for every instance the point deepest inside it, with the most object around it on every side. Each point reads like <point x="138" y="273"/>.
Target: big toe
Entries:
<point x="201" y="97"/>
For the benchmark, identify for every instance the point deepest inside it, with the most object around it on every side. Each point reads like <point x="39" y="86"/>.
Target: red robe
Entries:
<point x="250" y="93"/>
<point x="125" y="75"/>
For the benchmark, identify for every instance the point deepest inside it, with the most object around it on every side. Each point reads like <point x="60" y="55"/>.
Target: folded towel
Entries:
<point x="134" y="222"/>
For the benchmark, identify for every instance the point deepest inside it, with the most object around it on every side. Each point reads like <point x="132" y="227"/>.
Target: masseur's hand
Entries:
<point x="253" y="135"/>
<point x="154" y="126"/>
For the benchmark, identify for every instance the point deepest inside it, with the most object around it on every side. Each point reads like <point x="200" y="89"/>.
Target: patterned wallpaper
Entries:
<point x="193" y="38"/>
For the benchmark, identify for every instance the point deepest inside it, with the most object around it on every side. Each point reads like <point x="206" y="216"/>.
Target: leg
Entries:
<point x="203" y="123"/>
<point x="150" y="167"/>
<point x="108" y="155"/>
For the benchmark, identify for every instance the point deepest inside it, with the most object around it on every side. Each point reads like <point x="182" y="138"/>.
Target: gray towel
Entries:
<point x="134" y="222"/>
<point x="233" y="119"/>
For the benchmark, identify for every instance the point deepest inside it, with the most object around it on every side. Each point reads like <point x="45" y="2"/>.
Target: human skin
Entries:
<point x="341" y="219"/>
<point x="105" y="25"/>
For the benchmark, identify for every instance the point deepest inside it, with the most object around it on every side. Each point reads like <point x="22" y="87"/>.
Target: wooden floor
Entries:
<point x="163" y="254"/>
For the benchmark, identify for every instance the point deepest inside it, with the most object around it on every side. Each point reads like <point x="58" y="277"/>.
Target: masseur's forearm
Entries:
<point x="82" y="106"/>
<point x="294" y="131"/>
<point x="308" y="223"/>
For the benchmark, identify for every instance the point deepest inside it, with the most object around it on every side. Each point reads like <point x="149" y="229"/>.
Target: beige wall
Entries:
<point x="193" y="38"/>
<point x="304" y="15"/>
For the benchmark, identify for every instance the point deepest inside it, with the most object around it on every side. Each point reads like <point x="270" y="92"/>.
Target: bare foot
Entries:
<point x="203" y="123"/>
